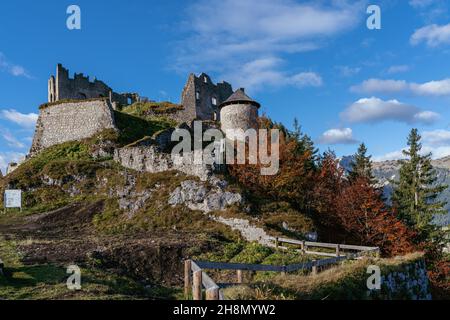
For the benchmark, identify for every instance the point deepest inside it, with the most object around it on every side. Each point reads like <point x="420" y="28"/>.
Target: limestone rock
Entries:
<point x="197" y="196"/>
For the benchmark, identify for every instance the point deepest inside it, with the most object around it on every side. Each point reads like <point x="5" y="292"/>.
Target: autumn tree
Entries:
<point x="363" y="214"/>
<point x="294" y="181"/>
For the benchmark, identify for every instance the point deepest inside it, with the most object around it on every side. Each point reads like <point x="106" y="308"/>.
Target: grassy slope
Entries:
<point x="77" y="177"/>
<point x="346" y="282"/>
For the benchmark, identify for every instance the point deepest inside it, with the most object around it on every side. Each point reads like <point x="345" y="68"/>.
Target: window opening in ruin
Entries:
<point x="197" y="95"/>
<point x="214" y="101"/>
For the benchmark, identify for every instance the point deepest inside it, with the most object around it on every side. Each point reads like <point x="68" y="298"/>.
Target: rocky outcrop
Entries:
<point x="246" y="229"/>
<point x="150" y="159"/>
<point x="199" y="196"/>
<point x="409" y="282"/>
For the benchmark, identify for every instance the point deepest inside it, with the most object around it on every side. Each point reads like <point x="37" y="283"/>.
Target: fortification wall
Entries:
<point x="70" y="121"/>
<point x="239" y="116"/>
<point x="201" y="98"/>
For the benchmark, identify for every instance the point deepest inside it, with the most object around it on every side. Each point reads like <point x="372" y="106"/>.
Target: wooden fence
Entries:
<point x="339" y="249"/>
<point x="1" y="267"/>
<point x="195" y="279"/>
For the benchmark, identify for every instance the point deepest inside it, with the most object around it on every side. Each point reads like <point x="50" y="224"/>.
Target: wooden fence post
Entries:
<point x="276" y="243"/>
<point x="197" y="285"/>
<point x="239" y="276"/>
<point x="212" y="294"/>
<point x="305" y="246"/>
<point x="187" y="278"/>
<point x="338" y="250"/>
<point x="314" y="268"/>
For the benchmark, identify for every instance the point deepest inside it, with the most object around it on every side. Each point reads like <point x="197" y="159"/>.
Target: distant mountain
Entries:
<point x="387" y="171"/>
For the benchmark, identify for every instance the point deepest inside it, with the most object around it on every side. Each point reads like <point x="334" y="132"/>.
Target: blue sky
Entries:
<point x="312" y="60"/>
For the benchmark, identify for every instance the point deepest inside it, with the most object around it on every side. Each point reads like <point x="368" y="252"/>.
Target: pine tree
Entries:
<point x="415" y="194"/>
<point x="305" y="145"/>
<point x="362" y="165"/>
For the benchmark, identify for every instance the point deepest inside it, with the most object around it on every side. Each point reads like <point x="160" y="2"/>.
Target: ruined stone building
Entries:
<point x="62" y="87"/>
<point x="201" y="98"/>
<point x="77" y="111"/>
<point x="238" y="113"/>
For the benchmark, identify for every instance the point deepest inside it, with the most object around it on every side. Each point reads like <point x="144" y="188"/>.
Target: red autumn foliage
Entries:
<point x="345" y="211"/>
<point x="363" y="214"/>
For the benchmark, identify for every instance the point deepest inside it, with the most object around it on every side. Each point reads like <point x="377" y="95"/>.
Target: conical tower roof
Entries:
<point x="240" y="97"/>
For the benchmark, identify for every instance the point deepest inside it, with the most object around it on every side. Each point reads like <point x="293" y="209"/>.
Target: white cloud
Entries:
<point x="24" y="120"/>
<point x="398" y="69"/>
<point x="238" y="33"/>
<point x="306" y="79"/>
<point x="347" y="71"/>
<point x="437" y="137"/>
<point x="380" y="86"/>
<point x="433" y="35"/>
<point x="267" y="71"/>
<point x="395" y="155"/>
<point x="374" y="110"/>
<point x="431" y="88"/>
<point x="338" y="136"/>
<point x="13" y="69"/>
<point x="8" y="157"/>
<point x="436" y="153"/>
<point x="11" y="140"/>
<point x="420" y="3"/>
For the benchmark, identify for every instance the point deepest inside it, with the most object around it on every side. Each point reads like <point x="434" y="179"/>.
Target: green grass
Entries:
<point x="133" y="127"/>
<point x="144" y="109"/>
<point x="345" y="282"/>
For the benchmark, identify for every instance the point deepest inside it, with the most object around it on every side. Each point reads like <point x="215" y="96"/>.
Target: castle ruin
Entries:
<point x="201" y="98"/>
<point x="79" y="108"/>
<point x="62" y="87"/>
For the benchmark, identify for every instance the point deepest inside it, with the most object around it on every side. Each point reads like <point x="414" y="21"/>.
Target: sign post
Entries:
<point x="13" y="199"/>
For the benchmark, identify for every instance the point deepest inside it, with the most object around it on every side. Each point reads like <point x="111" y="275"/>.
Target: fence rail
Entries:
<point x="195" y="279"/>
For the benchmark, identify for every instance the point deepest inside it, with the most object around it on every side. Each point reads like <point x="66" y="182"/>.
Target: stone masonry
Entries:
<point x="70" y="121"/>
<point x="238" y="114"/>
<point x="201" y="98"/>
<point x="62" y="87"/>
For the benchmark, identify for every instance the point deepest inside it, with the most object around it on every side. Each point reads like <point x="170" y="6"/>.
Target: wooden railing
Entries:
<point x="195" y="279"/>
<point x="306" y="245"/>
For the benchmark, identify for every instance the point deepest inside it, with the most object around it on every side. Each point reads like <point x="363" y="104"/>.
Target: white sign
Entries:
<point x="13" y="198"/>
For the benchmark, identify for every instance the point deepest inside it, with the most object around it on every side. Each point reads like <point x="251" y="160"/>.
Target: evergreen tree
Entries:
<point x="362" y="166"/>
<point x="415" y="194"/>
<point x="304" y="145"/>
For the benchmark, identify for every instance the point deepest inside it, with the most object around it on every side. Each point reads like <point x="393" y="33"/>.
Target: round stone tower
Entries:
<point x="237" y="114"/>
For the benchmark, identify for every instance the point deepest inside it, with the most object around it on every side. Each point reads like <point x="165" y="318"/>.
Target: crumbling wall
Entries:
<point x="201" y="98"/>
<point x="62" y="87"/>
<point x="70" y="121"/>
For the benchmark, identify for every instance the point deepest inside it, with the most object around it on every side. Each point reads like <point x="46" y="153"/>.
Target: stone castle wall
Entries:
<point x="62" y="87"/>
<point x="239" y="116"/>
<point x="201" y="98"/>
<point x="70" y="121"/>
